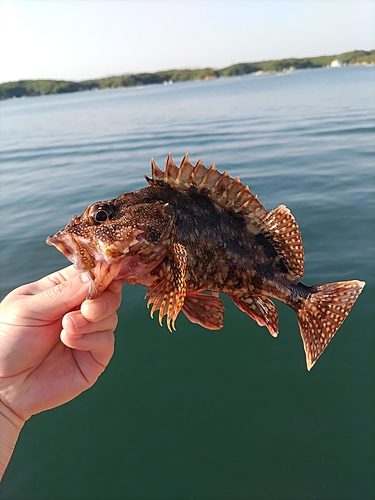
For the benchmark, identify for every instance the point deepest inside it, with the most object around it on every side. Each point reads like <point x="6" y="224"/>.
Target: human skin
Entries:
<point x="54" y="344"/>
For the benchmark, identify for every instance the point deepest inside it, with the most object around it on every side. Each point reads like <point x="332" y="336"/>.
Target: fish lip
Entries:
<point x="98" y="270"/>
<point x="72" y="250"/>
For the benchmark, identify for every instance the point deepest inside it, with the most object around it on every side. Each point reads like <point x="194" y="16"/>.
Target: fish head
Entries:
<point x="115" y="239"/>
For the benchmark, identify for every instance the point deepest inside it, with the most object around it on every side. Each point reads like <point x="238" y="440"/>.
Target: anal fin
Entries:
<point x="261" y="309"/>
<point x="205" y="310"/>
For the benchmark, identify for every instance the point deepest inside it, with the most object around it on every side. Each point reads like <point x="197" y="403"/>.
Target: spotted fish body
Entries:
<point x="194" y="233"/>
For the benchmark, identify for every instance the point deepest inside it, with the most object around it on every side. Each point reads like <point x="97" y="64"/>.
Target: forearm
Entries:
<point x="10" y="427"/>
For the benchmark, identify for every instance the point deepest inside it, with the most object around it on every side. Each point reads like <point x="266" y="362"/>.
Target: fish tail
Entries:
<point x="323" y="312"/>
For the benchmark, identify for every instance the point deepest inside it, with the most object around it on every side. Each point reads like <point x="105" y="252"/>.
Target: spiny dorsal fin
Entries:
<point x="279" y="224"/>
<point x="220" y="188"/>
<point x="282" y="229"/>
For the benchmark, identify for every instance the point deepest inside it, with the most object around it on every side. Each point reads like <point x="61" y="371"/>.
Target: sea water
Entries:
<point x="231" y="414"/>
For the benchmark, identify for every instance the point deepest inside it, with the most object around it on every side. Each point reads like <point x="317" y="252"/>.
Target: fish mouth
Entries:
<point x="80" y="256"/>
<point x="100" y="269"/>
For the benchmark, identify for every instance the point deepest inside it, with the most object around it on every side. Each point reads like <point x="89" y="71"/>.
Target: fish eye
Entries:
<point x="101" y="216"/>
<point x="101" y="212"/>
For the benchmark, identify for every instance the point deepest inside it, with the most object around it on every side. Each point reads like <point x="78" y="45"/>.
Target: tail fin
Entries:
<point x="322" y="314"/>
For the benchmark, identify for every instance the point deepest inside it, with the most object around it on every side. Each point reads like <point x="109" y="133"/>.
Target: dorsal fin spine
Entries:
<point x="185" y="171"/>
<point x="217" y="182"/>
<point x="197" y="174"/>
<point x="157" y="174"/>
<point x="185" y="161"/>
<point x="222" y="186"/>
<point x="234" y="190"/>
<point x="242" y="197"/>
<point x="211" y="178"/>
<point x="171" y="171"/>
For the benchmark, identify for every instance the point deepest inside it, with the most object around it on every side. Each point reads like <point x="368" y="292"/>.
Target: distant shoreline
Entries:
<point x="30" y="88"/>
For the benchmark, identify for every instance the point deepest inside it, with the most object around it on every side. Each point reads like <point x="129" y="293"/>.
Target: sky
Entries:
<point x="83" y="39"/>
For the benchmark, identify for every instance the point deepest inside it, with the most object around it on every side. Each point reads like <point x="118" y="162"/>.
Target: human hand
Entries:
<point x="50" y="352"/>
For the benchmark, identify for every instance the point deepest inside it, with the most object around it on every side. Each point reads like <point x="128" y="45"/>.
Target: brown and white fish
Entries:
<point x="193" y="231"/>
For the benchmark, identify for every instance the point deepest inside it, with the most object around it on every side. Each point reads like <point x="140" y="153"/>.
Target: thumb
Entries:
<point x="56" y="301"/>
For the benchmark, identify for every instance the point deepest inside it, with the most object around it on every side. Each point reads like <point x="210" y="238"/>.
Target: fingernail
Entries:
<point x="85" y="278"/>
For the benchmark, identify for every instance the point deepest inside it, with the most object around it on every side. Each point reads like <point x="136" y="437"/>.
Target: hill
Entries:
<point x="43" y="87"/>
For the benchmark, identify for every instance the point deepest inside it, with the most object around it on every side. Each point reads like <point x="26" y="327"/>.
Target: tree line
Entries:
<point x="43" y="87"/>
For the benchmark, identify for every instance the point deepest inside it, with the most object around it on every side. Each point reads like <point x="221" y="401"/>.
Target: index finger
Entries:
<point x="49" y="281"/>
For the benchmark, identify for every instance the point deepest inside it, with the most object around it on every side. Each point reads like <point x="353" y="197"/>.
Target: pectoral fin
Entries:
<point x="261" y="309"/>
<point x="168" y="291"/>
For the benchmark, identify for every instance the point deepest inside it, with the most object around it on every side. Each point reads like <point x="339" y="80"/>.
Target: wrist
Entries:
<point x="10" y="427"/>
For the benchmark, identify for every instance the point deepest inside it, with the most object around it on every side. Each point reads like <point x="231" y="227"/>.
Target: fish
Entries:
<point x="194" y="233"/>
